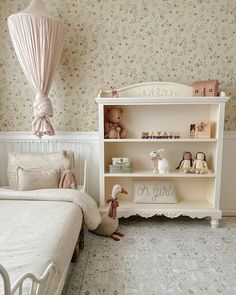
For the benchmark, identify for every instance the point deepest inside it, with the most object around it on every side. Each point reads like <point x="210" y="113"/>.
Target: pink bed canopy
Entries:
<point x="38" y="41"/>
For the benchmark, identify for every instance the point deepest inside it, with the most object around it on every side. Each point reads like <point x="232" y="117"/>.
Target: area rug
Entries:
<point x="158" y="256"/>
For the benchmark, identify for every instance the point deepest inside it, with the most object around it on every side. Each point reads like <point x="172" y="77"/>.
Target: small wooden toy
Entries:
<point x="165" y="135"/>
<point x="152" y="135"/>
<point x="172" y="134"/>
<point x="145" y="135"/>
<point x="205" y="88"/>
<point x="160" y="135"/>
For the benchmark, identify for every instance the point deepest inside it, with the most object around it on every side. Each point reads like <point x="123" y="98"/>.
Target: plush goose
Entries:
<point x="109" y="225"/>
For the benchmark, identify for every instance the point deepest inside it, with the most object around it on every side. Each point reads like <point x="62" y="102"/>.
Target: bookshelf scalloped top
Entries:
<point x="151" y="92"/>
<point x="151" y="89"/>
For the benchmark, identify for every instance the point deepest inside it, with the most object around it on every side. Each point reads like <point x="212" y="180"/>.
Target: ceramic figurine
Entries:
<point x="114" y="92"/>
<point x="109" y="225"/>
<point x="186" y="163"/>
<point x="200" y="164"/>
<point x="153" y="156"/>
<point x="162" y="163"/>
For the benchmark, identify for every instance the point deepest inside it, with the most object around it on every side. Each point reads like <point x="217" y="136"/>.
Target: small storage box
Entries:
<point x="120" y="168"/>
<point x="121" y="161"/>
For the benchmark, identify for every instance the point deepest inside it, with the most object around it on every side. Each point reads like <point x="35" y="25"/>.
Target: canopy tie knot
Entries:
<point x="42" y="106"/>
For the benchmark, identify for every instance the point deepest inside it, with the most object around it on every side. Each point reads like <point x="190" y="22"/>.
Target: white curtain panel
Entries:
<point x="38" y="42"/>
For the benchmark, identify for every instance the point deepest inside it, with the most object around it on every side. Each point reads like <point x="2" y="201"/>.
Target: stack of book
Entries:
<point x="120" y="165"/>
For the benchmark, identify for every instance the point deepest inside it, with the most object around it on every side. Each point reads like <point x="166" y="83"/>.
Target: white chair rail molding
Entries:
<point x="26" y="142"/>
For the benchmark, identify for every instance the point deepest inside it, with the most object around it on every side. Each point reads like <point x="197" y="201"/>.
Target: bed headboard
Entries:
<point x="84" y="145"/>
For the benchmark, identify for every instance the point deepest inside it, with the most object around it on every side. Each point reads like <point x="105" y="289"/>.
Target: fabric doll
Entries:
<point x="186" y="163"/>
<point x="200" y="164"/>
<point x="68" y="180"/>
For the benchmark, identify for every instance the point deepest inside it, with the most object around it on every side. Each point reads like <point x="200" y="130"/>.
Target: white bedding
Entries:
<point x="89" y="207"/>
<point x="37" y="227"/>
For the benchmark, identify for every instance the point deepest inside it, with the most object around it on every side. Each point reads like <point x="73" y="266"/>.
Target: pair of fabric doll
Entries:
<point x="198" y="166"/>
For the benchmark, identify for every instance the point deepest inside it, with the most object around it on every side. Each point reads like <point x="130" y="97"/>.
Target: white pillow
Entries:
<point x="154" y="192"/>
<point x="36" y="162"/>
<point x="29" y="180"/>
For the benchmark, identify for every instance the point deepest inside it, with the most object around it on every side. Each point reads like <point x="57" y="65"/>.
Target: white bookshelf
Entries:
<point x="164" y="106"/>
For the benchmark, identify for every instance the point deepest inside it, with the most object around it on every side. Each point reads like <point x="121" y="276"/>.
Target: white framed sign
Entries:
<point x="147" y="191"/>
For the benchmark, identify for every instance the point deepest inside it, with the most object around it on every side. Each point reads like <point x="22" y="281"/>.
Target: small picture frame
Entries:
<point x="201" y="129"/>
<point x="192" y="130"/>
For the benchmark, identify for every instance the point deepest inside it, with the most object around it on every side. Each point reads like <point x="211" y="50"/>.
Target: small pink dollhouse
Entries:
<point x="205" y="88"/>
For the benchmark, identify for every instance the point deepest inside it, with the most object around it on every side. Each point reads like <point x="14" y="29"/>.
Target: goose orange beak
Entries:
<point x="124" y="191"/>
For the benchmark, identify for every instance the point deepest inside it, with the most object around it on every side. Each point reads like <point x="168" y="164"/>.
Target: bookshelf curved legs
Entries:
<point x="214" y="214"/>
<point x="214" y="222"/>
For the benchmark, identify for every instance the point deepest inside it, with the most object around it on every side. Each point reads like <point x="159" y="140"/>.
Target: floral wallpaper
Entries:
<point x="117" y="43"/>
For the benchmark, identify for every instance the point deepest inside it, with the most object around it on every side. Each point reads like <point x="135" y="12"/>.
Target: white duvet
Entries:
<point x="37" y="227"/>
<point x="89" y="207"/>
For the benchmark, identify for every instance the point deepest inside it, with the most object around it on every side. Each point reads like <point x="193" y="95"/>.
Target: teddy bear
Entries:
<point x="113" y="128"/>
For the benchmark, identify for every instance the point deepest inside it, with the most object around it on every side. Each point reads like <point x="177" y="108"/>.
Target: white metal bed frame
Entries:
<point x="49" y="282"/>
<point x="46" y="284"/>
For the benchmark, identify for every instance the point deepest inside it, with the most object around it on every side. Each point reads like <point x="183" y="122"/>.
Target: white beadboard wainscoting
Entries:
<point x="228" y="183"/>
<point x="86" y="145"/>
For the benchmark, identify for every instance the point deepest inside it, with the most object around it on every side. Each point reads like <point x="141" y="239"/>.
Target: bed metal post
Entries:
<point x="6" y="280"/>
<point x="85" y="176"/>
<point x="81" y="237"/>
